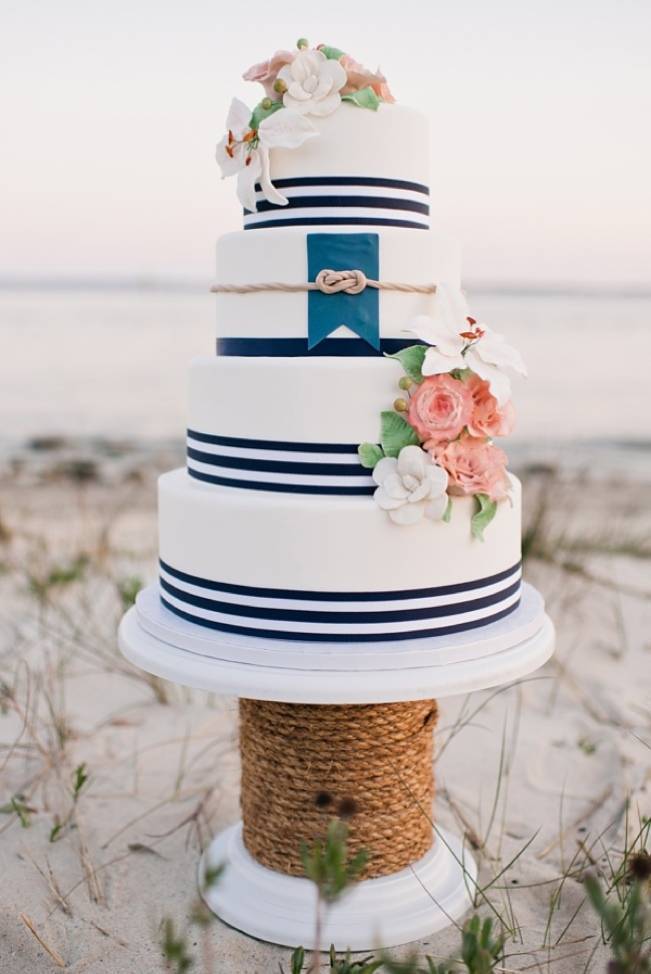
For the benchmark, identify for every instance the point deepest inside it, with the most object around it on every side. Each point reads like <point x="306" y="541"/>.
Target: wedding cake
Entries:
<point x="343" y="483"/>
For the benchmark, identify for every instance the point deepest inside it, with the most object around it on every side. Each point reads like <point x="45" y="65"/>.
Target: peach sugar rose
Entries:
<point x="474" y="466"/>
<point x="440" y="408"/>
<point x="266" y="72"/>
<point x="359" y="77"/>
<point x="488" y="418"/>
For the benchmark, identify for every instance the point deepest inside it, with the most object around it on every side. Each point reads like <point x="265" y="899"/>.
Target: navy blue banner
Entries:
<point x="359" y="312"/>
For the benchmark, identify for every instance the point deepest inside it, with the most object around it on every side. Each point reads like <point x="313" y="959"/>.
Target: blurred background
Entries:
<point x="111" y="200"/>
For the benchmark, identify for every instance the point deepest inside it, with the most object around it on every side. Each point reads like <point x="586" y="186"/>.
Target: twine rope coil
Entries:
<point x="300" y="762"/>
<point x="328" y="282"/>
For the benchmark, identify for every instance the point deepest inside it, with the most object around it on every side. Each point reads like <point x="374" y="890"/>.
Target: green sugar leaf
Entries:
<point x="260" y="113"/>
<point x="396" y="433"/>
<point x="365" y="98"/>
<point x="448" y="512"/>
<point x="412" y="359"/>
<point x="332" y="53"/>
<point x="486" y="510"/>
<point x="369" y="454"/>
<point x="462" y="374"/>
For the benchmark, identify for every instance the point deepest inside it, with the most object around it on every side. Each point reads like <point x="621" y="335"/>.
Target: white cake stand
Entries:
<point x="382" y="912"/>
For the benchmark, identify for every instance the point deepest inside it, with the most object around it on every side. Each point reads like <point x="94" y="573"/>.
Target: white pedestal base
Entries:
<point x="376" y="913"/>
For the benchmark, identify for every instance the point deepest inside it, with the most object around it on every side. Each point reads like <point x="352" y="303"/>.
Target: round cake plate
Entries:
<point x="157" y="641"/>
<point x="384" y="912"/>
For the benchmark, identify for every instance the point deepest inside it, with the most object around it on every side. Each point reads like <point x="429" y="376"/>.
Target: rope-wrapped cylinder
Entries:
<point x="302" y="764"/>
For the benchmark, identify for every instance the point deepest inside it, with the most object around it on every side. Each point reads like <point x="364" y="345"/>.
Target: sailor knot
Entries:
<point x="332" y="282"/>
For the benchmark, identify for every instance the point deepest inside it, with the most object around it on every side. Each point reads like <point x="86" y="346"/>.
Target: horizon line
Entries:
<point x="167" y="284"/>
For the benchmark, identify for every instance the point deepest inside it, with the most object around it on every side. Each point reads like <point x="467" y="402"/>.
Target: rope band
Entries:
<point x="328" y="282"/>
<point x="300" y="762"/>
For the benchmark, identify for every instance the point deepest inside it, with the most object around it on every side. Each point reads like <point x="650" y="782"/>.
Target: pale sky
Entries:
<point x="539" y="113"/>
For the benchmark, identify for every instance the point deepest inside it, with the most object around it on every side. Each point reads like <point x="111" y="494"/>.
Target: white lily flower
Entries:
<point x="461" y="343"/>
<point x="411" y="486"/>
<point x="245" y="151"/>
<point x="313" y="83"/>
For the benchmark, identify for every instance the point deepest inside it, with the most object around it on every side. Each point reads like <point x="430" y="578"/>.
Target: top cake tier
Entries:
<point x="362" y="168"/>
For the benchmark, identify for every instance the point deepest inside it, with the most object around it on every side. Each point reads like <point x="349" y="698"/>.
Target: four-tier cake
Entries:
<point x="343" y="480"/>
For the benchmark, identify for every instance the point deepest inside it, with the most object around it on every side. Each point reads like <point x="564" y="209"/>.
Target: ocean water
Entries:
<point x="113" y="363"/>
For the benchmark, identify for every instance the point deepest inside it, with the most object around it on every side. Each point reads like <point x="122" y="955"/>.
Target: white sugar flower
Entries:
<point x="461" y="343"/>
<point x="313" y="83"/>
<point x="411" y="486"/>
<point x="245" y="151"/>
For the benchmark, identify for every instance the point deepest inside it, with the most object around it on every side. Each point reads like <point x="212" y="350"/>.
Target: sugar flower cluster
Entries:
<point x="297" y="84"/>
<point x="437" y="442"/>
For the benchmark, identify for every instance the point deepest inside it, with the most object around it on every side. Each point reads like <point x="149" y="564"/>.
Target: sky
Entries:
<point x="539" y="123"/>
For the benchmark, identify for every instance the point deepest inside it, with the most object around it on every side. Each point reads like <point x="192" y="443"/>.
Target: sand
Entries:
<point x="547" y="778"/>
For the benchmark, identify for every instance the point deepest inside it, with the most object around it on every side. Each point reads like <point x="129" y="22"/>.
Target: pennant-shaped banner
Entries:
<point x="359" y="312"/>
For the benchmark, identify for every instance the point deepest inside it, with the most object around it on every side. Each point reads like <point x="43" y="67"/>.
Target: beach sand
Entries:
<point x="547" y="779"/>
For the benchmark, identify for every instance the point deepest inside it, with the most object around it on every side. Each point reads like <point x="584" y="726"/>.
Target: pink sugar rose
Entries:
<point x="266" y="72"/>
<point x="488" y="417"/>
<point x="440" y="408"/>
<point x="474" y="466"/>
<point x="360" y="77"/>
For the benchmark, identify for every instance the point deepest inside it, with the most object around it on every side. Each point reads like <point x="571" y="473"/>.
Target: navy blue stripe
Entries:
<point x="313" y="596"/>
<point x="280" y="466"/>
<point x="295" y="347"/>
<point x="238" y="441"/>
<point x="339" y="202"/>
<point x="336" y="221"/>
<point x="293" y="181"/>
<point x="286" y="488"/>
<point x="317" y="637"/>
<point x="341" y="618"/>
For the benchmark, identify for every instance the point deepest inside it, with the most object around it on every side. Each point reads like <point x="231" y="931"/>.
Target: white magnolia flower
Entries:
<point x="245" y="151"/>
<point x="313" y="83"/>
<point x="411" y="486"/>
<point x="461" y="343"/>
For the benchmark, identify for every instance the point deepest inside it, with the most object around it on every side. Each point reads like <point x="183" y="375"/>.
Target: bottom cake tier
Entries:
<point x="330" y="569"/>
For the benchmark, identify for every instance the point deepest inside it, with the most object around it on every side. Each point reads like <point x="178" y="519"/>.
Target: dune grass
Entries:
<point x="112" y="781"/>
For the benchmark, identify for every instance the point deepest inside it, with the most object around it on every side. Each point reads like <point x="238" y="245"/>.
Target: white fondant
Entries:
<point x="392" y="143"/>
<point x="254" y="257"/>
<point x="307" y="400"/>
<point x="297" y="541"/>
